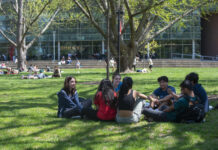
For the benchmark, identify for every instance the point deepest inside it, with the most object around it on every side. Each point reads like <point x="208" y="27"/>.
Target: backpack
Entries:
<point x="194" y="113"/>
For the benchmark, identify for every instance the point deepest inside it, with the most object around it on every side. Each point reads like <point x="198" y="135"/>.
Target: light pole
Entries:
<point x="108" y="47"/>
<point x="119" y="14"/>
<point x="54" y="45"/>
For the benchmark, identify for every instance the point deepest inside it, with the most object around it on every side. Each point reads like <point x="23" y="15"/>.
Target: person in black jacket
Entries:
<point x="69" y="104"/>
<point x="198" y="90"/>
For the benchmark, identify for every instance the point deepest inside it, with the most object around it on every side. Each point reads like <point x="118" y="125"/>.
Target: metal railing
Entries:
<point x="196" y="56"/>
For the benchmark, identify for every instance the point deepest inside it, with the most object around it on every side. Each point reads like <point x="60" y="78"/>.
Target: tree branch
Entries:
<point x="173" y="22"/>
<point x="131" y="21"/>
<point x="15" y="6"/>
<point x="113" y="18"/>
<point x="87" y="14"/>
<point x="125" y="27"/>
<point x="2" y="8"/>
<point x="147" y="29"/>
<point x="102" y="8"/>
<point x="44" y="29"/>
<point x="141" y="26"/>
<point x="5" y="36"/>
<point x="170" y="24"/>
<point x="11" y="32"/>
<point x="82" y="9"/>
<point x="34" y="20"/>
<point x="149" y="7"/>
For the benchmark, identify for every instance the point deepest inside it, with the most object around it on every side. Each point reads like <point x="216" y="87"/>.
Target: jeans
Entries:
<point x="206" y="106"/>
<point x="156" y="115"/>
<point x="135" y="115"/>
<point x="76" y="112"/>
<point x="90" y="113"/>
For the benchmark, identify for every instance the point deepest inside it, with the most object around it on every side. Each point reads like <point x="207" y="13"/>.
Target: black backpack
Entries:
<point x="194" y="113"/>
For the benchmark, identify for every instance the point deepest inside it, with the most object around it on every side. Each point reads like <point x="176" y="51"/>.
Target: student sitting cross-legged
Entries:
<point x="69" y="104"/>
<point x="198" y="90"/>
<point x="129" y="104"/>
<point x="161" y="96"/>
<point x="170" y="113"/>
<point x="105" y="101"/>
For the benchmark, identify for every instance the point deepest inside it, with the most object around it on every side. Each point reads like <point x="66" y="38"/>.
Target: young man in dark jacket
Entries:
<point x="199" y="91"/>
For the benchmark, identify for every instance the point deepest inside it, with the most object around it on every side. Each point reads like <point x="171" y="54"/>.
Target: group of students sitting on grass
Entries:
<point x="117" y="100"/>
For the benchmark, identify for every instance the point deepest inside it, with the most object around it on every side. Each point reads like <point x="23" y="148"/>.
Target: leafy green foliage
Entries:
<point x="153" y="45"/>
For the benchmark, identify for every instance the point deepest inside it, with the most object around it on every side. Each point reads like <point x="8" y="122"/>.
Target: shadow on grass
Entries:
<point x="88" y="134"/>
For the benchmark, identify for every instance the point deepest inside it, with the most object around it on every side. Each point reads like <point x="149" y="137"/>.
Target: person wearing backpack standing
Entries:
<point x="198" y="89"/>
<point x="170" y="114"/>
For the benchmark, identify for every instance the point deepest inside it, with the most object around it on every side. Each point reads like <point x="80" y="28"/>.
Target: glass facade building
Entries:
<point x="84" y="41"/>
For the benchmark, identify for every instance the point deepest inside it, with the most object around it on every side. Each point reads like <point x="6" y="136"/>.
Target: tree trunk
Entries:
<point x="22" y="58"/>
<point x="126" y="60"/>
<point x="125" y="64"/>
<point x="21" y="47"/>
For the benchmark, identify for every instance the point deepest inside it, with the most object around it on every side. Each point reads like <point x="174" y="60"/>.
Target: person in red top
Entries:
<point x="105" y="101"/>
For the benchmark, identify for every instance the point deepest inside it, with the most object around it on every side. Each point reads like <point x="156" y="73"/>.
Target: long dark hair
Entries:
<point x="107" y="90"/>
<point x="127" y="84"/>
<point x="67" y="87"/>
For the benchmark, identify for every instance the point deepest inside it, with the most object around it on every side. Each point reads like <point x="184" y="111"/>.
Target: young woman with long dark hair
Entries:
<point x="69" y="104"/>
<point x="130" y="103"/>
<point x="116" y="81"/>
<point x="105" y="101"/>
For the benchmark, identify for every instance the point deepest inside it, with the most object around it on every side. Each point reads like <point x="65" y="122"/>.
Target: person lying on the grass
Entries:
<point x="105" y="101"/>
<point x="69" y="104"/>
<point x="198" y="90"/>
<point x="129" y="104"/>
<point x="30" y="76"/>
<point x="10" y="71"/>
<point x="41" y="75"/>
<point x="170" y="113"/>
<point x="161" y="96"/>
<point x="116" y="81"/>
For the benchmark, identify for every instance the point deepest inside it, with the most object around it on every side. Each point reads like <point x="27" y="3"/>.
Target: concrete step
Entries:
<point x="101" y="64"/>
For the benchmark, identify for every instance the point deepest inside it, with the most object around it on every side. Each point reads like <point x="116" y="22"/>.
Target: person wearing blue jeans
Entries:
<point x="178" y="107"/>
<point x="69" y="104"/>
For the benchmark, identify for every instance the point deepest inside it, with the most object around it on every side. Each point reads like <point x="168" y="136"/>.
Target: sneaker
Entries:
<point x="210" y="107"/>
<point x="76" y="117"/>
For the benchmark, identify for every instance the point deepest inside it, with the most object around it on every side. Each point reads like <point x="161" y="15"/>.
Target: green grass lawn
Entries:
<point x="28" y="116"/>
